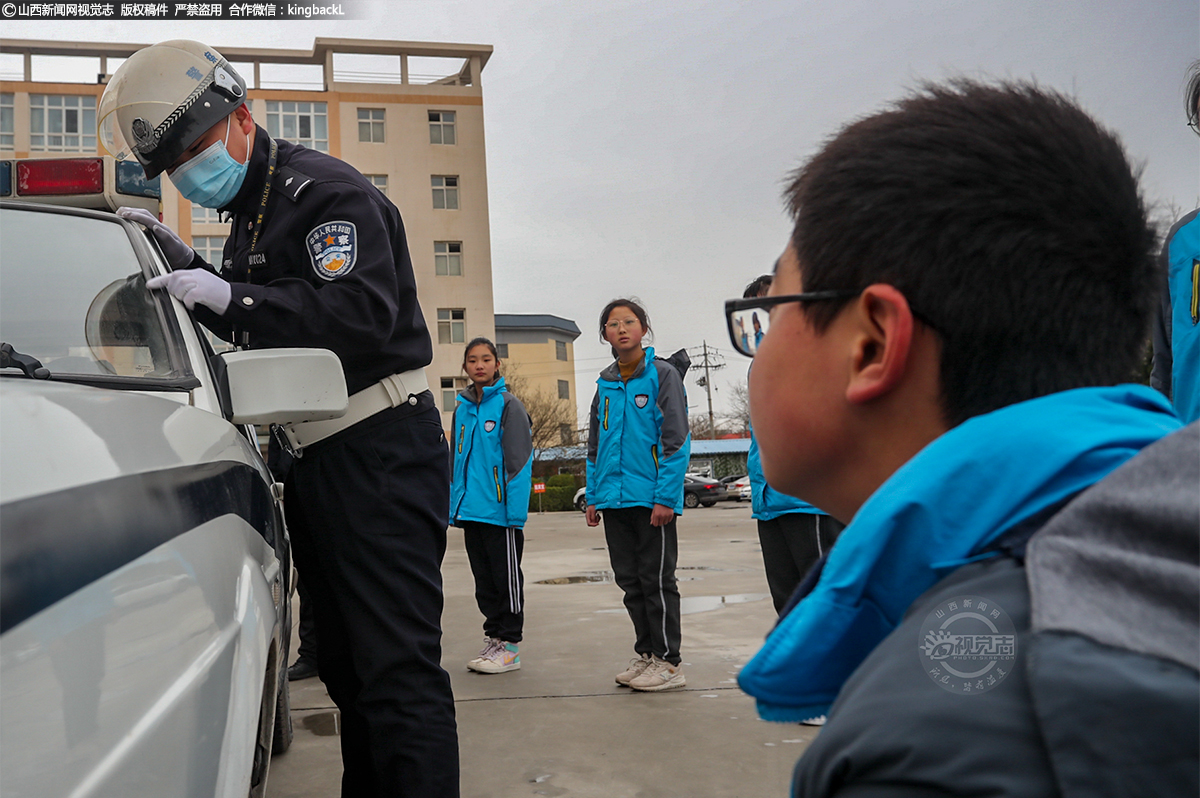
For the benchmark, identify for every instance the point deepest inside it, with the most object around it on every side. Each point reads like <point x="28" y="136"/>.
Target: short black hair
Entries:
<point x="1010" y="220"/>
<point x="759" y="285"/>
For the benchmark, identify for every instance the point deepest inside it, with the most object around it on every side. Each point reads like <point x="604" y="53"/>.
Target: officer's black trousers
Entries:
<point x="791" y="545"/>
<point x="495" y="556"/>
<point x="367" y="510"/>
<point x="643" y="560"/>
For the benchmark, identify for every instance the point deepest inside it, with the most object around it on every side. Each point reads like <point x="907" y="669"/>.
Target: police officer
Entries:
<point x="317" y="257"/>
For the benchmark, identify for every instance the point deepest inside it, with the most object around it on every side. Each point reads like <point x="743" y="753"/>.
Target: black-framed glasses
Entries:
<point x="748" y="319"/>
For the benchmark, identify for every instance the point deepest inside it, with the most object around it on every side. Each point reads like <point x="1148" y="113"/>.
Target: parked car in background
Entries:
<point x="739" y="490"/>
<point x="701" y="491"/>
<point x="580" y="500"/>
<point x="146" y="568"/>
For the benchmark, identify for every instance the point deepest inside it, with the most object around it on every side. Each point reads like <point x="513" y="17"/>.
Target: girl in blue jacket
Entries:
<point x="491" y="459"/>
<point x="638" y="450"/>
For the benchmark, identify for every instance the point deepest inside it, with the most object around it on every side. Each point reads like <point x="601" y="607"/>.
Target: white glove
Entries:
<point x="178" y="254"/>
<point x="195" y="286"/>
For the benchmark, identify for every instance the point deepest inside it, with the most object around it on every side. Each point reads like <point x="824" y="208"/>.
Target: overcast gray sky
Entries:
<point x="639" y="148"/>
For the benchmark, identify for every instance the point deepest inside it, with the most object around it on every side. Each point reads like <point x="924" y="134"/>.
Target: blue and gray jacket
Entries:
<point x="638" y="438"/>
<point x="491" y="457"/>
<point x="766" y="502"/>
<point x="1176" y="334"/>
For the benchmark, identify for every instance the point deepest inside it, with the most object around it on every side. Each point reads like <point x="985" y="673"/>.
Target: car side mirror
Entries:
<point x="278" y="386"/>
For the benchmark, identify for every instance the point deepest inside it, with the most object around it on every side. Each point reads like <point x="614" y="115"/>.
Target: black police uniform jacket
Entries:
<point x="331" y="267"/>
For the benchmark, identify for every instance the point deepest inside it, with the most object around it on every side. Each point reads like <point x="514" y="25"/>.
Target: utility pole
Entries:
<point x="706" y="383"/>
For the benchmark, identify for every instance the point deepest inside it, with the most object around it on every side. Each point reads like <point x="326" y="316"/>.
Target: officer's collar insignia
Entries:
<point x="333" y="249"/>
<point x="641" y="399"/>
<point x="488" y="426"/>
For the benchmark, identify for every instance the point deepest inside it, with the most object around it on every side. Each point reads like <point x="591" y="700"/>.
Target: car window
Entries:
<point x="72" y="294"/>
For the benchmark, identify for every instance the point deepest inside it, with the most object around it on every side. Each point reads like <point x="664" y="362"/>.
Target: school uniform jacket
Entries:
<point x="331" y="267"/>
<point x="1176" y="331"/>
<point x="638" y="438"/>
<point x="491" y="459"/>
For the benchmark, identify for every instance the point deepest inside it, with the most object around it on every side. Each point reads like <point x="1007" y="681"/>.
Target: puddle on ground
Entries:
<point x="323" y="724"/>
<point x="605" y="577"/>
<point x="701" y="568"/>
<point x="689" y="605"/>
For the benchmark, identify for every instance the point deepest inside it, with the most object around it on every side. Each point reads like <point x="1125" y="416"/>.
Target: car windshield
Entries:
<point x="72" y="295"/>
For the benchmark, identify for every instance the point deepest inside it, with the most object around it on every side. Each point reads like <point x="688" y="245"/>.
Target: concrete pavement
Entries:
<point x="560" y="726"/>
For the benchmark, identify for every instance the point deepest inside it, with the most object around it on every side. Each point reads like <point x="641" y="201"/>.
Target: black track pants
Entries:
<point x="791" y="545"/>
<point x="495" y="556"/>
<point x="643" y="560"/>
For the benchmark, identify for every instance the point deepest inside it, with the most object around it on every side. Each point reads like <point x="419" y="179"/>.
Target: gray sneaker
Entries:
<point x="637" y="666"/>
<point x="659" y="675"/>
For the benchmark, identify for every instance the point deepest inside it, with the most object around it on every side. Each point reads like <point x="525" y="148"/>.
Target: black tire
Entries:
<point x="282" y="739"/>
<point x="691" y="500"/>
<point x="708" y="504"/>
<point x="581" y="503"/>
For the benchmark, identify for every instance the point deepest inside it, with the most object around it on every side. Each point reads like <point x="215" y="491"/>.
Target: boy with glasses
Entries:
<point x="1012" y="609"/>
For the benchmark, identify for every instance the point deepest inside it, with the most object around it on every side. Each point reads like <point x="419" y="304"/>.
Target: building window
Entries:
<point x="306" y="124"/>
<point x="202" y="215"/>
<point x="211" y="248"/>
<point x="560" y="350"/>
<point x="452" y="326"/>
<point x="441" y="127"/>
<point x="564" y="389"/>
<point x="447" y="258"/>
<point x="451" y="386"/>
<point x="379" y="181"/>
<point x="566" y="435"/>
<point x="445" y="192"/>
<point x="370" y="125"/>
<point x="502" y="351"/>
<point x="7" y="128"/>
<point x="62" y="123"/>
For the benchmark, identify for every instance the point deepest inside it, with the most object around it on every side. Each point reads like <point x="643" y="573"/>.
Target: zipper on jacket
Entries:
<point x="1195" y="290"/>
<point x="496" y="477"/>
<point x="462" y="432"/>
<point x="606" y="412"/>
<point x="654" y="454"/>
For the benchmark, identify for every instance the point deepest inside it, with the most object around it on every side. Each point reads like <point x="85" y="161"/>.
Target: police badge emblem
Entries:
<point x="641" y="400"/>
<point x="488" y="426"/>
<point x="333" y="248"/>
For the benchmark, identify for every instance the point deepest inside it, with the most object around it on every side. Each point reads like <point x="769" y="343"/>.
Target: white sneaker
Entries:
<point x="659" y="675"/>
<point x="489" y="645"/>
<point x="637" y="666"/>
<point x="819" y="720"/>
<point x="501" y="659"/>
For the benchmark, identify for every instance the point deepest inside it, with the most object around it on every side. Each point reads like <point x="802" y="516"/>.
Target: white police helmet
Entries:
<point x="163" y="98"/>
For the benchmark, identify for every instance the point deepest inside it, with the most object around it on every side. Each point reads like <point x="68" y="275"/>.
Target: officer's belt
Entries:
<point x="389" y="392"/>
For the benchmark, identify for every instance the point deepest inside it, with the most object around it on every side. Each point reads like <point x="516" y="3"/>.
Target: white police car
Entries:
<point x="144" y="563"/>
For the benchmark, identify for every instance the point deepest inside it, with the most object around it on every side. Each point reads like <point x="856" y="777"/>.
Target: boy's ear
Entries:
<point x="882" y="343"/>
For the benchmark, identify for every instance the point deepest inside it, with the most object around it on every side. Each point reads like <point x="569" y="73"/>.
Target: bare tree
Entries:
<point x="739" y="410"/>
<point x="548" y="414"/>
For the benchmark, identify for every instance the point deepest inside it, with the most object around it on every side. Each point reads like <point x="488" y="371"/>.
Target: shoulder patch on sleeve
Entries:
<point x="290" y="183"/>
<point x="333" y="249"/>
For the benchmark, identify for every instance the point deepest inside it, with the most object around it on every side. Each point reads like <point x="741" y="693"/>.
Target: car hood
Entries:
<point x="59" y="435"/>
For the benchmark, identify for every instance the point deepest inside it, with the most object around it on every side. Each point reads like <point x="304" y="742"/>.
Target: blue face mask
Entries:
<point x="212" y="178"/>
